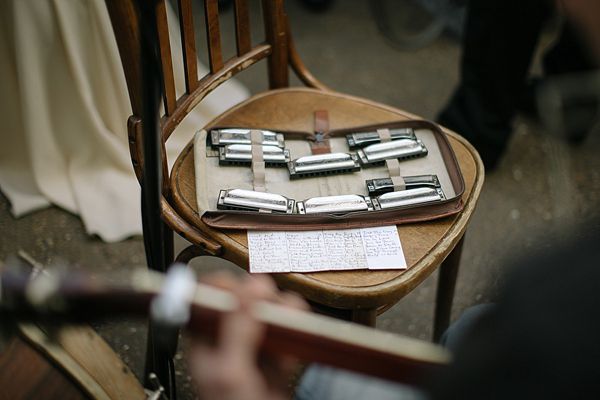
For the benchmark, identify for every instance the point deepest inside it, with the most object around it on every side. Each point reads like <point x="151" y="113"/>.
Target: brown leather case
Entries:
<point x="230" y="219"/>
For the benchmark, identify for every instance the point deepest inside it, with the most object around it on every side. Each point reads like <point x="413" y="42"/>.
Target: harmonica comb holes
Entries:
<point x="323" y="173"/>
<point x="246" y="163"/>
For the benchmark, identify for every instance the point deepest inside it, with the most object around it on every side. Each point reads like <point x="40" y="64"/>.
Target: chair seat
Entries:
<point x="425" y="244"/>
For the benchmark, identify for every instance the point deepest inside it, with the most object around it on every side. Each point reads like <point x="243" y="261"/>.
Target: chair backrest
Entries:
<point x="276" y="49"/>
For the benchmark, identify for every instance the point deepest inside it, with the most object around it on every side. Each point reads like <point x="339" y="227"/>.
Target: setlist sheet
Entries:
<point x="325" y="250"/>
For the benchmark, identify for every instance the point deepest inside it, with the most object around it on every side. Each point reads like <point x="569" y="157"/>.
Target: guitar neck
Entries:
<point x="307" y="336"/>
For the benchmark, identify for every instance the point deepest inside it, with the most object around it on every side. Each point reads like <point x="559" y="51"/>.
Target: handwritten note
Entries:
<point x="270" y="250"/>
<point x="327" y="250"/>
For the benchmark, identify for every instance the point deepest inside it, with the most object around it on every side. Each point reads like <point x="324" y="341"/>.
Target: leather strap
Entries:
<point x="321" y="121"/>
<point x="321" y="145"/>
<point x="258" y="162"/>
<point x="393" y="166"/>
<point x="384" y="135"/>
<point x="398" y="182"/>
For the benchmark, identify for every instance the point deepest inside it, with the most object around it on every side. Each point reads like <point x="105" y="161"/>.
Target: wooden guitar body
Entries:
<point x="74" y="364"/>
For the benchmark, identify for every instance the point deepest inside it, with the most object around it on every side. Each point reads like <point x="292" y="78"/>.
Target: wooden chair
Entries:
<point x="356" y="295"/>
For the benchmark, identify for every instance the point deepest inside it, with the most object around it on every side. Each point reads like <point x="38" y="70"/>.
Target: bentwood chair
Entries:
<point x="356" y="295"/>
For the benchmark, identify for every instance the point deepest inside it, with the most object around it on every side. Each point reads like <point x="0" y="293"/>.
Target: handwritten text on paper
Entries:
<point x="326" y="250"/>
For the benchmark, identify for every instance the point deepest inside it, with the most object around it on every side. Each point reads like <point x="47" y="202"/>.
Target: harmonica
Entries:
<point x="361" y="139"/>
<point x="408" y="197"/>
<point x="402" y="149"/>
<point x="335" y="204"/>
<point x="250" y="200"/>
<point x="323" y="164"/>
<point x="379" y="186"/>
<point x="227" y="136"/>
<point x="241" y="154"/>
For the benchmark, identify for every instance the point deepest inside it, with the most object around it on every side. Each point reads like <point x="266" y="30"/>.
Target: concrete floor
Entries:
<point x="541" y="189"/>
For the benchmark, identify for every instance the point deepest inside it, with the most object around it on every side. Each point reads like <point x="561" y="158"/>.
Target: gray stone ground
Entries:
<point x="541" y="189"/>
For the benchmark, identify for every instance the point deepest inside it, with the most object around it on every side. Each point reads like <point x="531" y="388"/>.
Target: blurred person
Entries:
<point x="539" y="341"/>
<point x="234" y="369"/>
<point x="499" y="44"/>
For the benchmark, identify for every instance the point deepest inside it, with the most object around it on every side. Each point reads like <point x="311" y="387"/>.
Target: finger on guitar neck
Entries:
<point x="307" y="336"/>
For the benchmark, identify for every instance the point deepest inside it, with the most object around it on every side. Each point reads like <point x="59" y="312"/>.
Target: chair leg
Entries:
<point x="366" y="317"/>
<point x="169" y="246"/>
<point x="162" y="341"/>
<point x="445" y="290"/>
<point x="160" y="358"/>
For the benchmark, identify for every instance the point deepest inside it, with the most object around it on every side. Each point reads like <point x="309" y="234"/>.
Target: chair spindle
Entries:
<point x="188" y="43"/>
<point x="242" y="27"/>
<point x="170" y="97"/>
<point x="213" y="32"/>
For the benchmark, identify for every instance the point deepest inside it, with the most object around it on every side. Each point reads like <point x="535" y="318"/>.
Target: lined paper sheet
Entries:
<point x="325" y="250"/>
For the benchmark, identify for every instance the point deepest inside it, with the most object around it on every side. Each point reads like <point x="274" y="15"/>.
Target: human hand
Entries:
<point x="234" y="369"/>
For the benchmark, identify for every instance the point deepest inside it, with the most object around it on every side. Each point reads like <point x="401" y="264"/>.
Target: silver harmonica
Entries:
<point x="385" y="185"/>
<point x="241" y="154"/>
<point x="408" y="197"/>
<point x="227" y="136"/>
<point x="376" y="154"/>
<point x="249" y="200"/>
<point x="361" y="139"/>
<point x="335" y="204"/>
<point x="323" y="164"/>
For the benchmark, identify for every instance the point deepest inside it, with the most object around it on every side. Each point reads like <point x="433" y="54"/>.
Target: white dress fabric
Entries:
<point x="63" y="114"/>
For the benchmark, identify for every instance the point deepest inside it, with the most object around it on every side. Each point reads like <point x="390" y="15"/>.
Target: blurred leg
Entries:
<point x="499" y="42"/>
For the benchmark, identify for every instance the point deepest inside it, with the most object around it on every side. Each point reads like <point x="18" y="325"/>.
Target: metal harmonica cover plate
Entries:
<point x="236" y="154"/>
<point x="408" y="197"/>
<point x="323" y="164"/>
<point x="384" y="185"/>
<point x="227" y="136"/>
<point x="335" y="204"/>
<point x="400" y="149"/>
<point x="362" y="139"/>
<point x="241" y="199"/>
